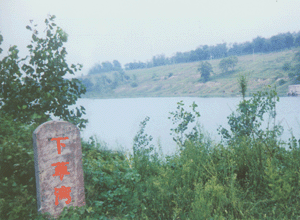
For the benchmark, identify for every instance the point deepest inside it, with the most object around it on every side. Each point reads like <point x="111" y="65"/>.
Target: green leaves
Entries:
<point x="34" y="38"/>
<point x="183" y="119"/>
<point x="1" y="39"/>
<point x="31" y="98"/>
<point x="49" y="34"/>
<point x="63" y="35"/>
<point x="52" y="17"/>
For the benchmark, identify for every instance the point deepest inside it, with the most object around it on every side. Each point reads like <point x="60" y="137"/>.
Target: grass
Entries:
<point x="261" y="69"/>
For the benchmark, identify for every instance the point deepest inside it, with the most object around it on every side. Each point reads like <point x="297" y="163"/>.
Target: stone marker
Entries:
<point x="58" y="167"/>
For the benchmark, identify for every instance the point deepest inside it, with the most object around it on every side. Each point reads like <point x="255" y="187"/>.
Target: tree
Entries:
<point x="267" y="46"/>
<point x="194" y="56"/>
<point x="226" y="63"/>
<point x="278" y="42"/>
<point x="117" y="65"/>
<point x="159" y="60"/>
<point x="289" y="40"/>
<point x="247" y="48"/>
<point x="236" y="49"/>
<point x="233" y="62"/>
<point x="297" y="41"/>
<point x="258" y="44"/>
<point x="200" y="53"/>
<point x="34" y="88"/>
<point x="218" y="51"/>
<point x="181" y="57"/>
<point x="223" y="65"/>
<point x="88" y="84"/>
<point x="135" y="65"/>
<point x="107" y="66"/>
<point x="205" y="69"/>
<point x="97" y="68"/>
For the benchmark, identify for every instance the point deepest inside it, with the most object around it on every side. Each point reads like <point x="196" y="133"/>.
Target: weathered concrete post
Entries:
<point x="58" y="167"/>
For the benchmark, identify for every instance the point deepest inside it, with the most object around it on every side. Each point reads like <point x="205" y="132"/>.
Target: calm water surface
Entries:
<point x="116" y="121"/>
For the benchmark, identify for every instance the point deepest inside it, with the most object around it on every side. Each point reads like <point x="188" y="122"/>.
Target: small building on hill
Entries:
<point x="294" y="90"/>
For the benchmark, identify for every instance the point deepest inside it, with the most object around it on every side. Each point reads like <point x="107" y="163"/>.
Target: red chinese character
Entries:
<point x="62" y="193"/>
<point x="60" y="169"/>
<point x="58" y="143"/>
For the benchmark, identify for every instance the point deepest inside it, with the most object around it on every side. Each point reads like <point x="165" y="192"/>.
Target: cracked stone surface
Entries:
<point x="45" y="154"/>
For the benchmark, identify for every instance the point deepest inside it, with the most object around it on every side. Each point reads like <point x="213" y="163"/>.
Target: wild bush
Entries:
<point x="17" y="179"/>
<point x="109" y="180"/>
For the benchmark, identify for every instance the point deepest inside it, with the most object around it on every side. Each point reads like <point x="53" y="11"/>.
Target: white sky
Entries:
<point x="133" y="30"/>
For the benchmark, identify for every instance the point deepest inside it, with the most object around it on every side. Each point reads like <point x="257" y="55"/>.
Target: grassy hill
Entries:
<point x="183" y="79"/>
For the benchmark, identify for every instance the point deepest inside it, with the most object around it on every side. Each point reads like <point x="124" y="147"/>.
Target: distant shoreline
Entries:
<point x="184" y="79"/>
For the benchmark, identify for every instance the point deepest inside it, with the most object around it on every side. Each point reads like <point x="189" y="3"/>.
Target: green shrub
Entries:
<point x="17" y="179"/>
<point x="109" y="180"/>
<point x="215" y="199"/>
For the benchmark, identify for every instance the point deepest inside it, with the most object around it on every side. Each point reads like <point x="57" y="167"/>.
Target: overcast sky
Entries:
<point x="136" y="30"/>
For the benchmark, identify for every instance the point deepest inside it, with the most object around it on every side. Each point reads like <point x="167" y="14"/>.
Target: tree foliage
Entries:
<point x="205" y="69"/>
<point x="297" y="41"/>
<point x="160" y="60"/>
<point x="259" y="44"/>
<point x="228" y="63"/>
<point x="34" y="88"/>
<point x="247" y="120"/>
<point x="105" y="67"/>
<point x="135" y="65"/>
<point x="183" y="118"/>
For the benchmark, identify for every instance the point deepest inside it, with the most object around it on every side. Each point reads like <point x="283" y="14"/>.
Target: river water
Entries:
<point x="116" y="121"/>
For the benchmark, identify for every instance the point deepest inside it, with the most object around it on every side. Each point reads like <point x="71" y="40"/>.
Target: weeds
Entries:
<point x="249" y="175"/>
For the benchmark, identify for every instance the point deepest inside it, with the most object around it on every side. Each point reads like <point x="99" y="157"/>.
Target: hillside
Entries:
<point x="183" y="79"/>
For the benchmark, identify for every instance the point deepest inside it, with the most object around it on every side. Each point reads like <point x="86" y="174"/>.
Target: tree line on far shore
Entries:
<point x="258" y="45"/>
